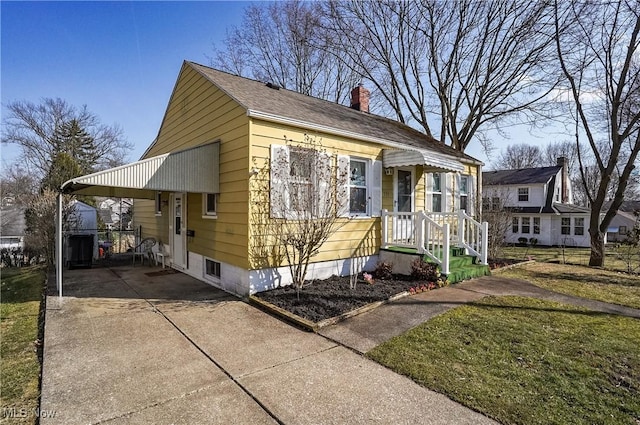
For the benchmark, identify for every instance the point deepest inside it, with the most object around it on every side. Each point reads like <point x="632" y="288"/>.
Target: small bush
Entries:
<point x="421" y="270"/>
<point x="383" y="270"/>
<point x="533" y="241"/>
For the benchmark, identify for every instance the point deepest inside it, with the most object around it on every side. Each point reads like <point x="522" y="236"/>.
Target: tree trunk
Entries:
<point x="597" y="247"/>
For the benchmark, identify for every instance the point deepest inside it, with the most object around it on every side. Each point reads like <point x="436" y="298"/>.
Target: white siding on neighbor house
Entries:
<point x="551" y="230"/>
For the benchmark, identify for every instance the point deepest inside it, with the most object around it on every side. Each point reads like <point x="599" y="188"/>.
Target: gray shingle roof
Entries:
<point x="522" y="176"/>
<point x="256" y="96"/>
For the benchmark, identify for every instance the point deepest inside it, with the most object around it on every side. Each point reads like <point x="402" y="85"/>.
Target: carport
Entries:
<point x="194" y="170"/>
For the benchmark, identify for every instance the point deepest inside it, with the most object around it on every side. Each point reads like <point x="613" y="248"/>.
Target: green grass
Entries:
<point x="526" y="361"/>
<point x="21" y="291"/>
<point x="576" y="256"/>
<point x="597" y="284"/>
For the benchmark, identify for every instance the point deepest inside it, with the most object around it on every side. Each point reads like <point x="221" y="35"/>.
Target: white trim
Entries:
<point x="412" y="170"/>
<point x="205" y="214"/>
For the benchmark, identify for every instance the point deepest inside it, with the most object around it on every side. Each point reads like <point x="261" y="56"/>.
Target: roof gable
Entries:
<point x="256" y="96"/>
<point x="539" y="175"/>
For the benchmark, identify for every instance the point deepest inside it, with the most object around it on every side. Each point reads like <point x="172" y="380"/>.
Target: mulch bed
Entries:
<point x="324" y="299"/>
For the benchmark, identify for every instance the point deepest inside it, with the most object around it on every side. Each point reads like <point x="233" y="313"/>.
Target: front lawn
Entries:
<point x="556" y="254"/>
<point x="602" y="285"/>
<point x="526" y="361"/>
<point x="21" y="292"/>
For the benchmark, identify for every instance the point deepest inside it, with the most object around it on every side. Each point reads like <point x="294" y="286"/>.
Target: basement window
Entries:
<point x="212" y="269"/>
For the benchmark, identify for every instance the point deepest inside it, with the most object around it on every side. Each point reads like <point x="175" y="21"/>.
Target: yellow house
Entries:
<point x="201" y="190"/>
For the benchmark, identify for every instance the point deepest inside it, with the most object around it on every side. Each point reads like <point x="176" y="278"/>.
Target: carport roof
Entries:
<point x="190" y="170"/>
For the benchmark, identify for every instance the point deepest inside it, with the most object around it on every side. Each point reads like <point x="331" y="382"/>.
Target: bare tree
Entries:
<point x="17" y="186"/>
<point x="515" y="157"/>
<point x="455" y="68"/>
<point x="496" y="212"/>
<point x="301" y="206"/>
<point x="35" y="129"/>
<point x="284" y="43"/>
<point x="598" y="58"/>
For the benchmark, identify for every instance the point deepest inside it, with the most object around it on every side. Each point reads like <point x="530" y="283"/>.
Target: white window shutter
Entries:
<point x="456" y="197"/>
<point x="376" y="189"/>
<point x="471" y="195"/>
<point x="323" y="180"/>
<point x="342" y="186"/>
<point x="428" y="189"/>
<point x="279" y="167"/>
<point x="447" y="191"/>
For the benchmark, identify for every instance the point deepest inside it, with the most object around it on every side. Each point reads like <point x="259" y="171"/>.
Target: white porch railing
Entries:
<point x="434" y="233"/>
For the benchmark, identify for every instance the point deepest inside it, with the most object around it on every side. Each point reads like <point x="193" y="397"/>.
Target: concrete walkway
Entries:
<point x="125" y="347"/>
<point x="364" y="332"/>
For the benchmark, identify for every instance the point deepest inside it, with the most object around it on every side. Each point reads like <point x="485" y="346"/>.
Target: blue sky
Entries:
<point x="121" y="59"/>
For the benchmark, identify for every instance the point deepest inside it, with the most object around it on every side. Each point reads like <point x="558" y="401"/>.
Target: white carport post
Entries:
<point x="59" y="244"/>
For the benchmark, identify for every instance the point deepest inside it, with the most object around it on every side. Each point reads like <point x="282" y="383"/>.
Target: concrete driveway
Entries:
<point x="123" y="346"/>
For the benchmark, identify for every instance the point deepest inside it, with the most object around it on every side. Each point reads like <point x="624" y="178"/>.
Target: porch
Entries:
<point x="456" y="242"/>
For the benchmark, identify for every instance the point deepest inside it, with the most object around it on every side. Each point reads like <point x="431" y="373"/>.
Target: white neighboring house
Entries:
<point x="541" y="202"/>
<point x="12" y="227"/>
<point x="112" y="209"/>
<point x="623" y="221"/>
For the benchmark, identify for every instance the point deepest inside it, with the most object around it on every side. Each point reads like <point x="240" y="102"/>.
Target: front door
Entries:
<point x="404" y="190"/>
<point x="404" y="225"/>
<point x="178" y="229"/>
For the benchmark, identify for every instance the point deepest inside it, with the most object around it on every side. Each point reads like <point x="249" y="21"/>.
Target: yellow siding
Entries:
<point x="356" y="237"/>
<point x="199" y="113"/>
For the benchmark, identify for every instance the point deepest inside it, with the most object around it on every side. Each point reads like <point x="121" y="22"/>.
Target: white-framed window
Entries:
<point x="515" y="225"/>
<point x="526" y="224"/>
<point x="578" y="226"/>
<point x="158" y="205"/>
<point x="523" y="194"/>
<point x="212" y="269"/>
<point x="210" y="205"/>
<point x="464" y="193"/>
<point x="437" y="185"/>
<point x="536" y="225"/>
<point x="565" y="226"/>
<point x="358" y="187"/>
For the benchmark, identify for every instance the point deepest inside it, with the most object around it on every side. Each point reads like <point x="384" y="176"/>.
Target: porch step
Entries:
<point x="463" y="267"/>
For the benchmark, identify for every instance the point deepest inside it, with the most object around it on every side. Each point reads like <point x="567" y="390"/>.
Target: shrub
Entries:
<point x="383" y="270"/>
<point x="421" y="270"/>
<point x="533" y="241"/>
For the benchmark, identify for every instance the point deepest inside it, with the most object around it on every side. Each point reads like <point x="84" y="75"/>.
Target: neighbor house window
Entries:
<point x="209" y="204"/>
<point x="515" y="225"/>
<point x="536" y="225"/>
<point x="358" y="198"/>
<point x="578" y="226"/>
<point x="526" y="224"/>
<point x="464" y="193"/>
<point x="622" y="230"/>
<point x="565" y="227"/>
<point x="158" y="203"/>
<point x="523" y="194"/>
<point x="495" y="203"/>
<point x="212" y="268"/>
<point x="436" y="192"/>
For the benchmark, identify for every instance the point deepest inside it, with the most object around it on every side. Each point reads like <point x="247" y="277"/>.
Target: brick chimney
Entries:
<point x="564" y="185"/>
<point x="360" y="98"/>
